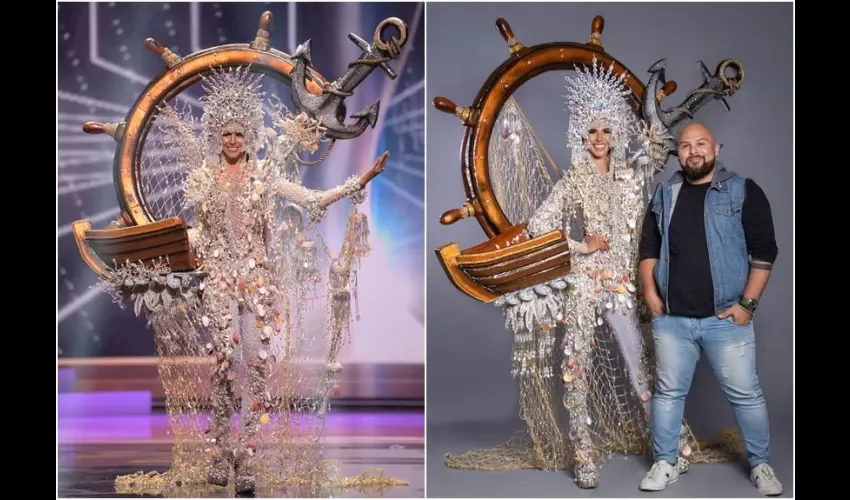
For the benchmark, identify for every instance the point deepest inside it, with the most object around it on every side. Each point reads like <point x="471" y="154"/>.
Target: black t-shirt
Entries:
<point x="691" y="287"/>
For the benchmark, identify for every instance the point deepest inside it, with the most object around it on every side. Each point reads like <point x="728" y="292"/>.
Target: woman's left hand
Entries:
<point x="375" y="169"/>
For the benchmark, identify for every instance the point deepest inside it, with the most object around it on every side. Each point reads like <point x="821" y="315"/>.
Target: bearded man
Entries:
<point x="707" y="251"/>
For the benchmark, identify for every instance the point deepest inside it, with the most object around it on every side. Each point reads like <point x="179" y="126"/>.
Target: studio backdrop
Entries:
<point x="469" y="376"/>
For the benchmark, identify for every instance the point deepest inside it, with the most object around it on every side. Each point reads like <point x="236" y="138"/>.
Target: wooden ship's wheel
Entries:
<point x="140" y="234"/>
<point x="509" y="261"/>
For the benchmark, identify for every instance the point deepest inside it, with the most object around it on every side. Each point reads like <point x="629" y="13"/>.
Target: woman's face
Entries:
<point x="233" y="141"/>
<point x="599" y="140"/>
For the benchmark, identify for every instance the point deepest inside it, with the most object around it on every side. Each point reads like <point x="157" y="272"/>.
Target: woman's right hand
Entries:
<point x="596" y="242"/>
<point x="192" y="234"/>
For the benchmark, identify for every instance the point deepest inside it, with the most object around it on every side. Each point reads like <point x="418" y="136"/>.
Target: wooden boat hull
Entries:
<point x="165" y="240"/>
<point x="506" y="263"/>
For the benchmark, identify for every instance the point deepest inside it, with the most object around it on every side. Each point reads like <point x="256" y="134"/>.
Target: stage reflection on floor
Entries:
<point x="93" y="451"/>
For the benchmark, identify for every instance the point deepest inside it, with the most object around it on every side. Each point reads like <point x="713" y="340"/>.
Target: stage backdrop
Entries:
<point x="103" y="66"/>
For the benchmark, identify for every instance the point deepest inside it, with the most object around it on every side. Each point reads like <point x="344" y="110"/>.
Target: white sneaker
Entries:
<point x="659" y="476"/>
<point x="764" y="478"/>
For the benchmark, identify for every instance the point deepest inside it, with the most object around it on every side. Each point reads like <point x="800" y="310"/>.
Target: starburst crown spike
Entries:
<point x="596" y="94"/>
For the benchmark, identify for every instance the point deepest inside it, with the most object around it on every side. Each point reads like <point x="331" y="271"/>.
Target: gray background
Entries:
<point x="471" y="397"/>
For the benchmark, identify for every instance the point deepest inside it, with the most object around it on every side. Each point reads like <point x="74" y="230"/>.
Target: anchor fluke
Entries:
<point x="370" y="113"/>
<point x="303" y="53"/>
<point x="658" y="67"/>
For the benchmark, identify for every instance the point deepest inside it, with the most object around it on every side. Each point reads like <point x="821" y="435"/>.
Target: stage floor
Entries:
<point x="93" y="451"/>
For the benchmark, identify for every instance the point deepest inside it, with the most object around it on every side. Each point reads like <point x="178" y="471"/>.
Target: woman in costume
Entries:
<point x="602" y="195"/>
<point x="234" y="197"/>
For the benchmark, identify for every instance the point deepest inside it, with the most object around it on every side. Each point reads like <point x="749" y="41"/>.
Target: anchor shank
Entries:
<point x="353" y="77"/>
<point x="697" y="101"/>
<point x="359" y="71"/>
<point x="712" y="89"/>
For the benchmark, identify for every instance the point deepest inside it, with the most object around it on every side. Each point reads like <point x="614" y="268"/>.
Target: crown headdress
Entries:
<point x="232" y="95"/>
<point x="598" y="94"/>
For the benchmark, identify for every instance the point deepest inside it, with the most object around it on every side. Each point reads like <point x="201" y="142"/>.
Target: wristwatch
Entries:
<point x="749" y="304"/>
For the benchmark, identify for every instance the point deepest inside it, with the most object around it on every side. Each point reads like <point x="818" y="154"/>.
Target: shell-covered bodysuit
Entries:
<point x="242" y="293"/>
<point x="254" y="283"/>
<point x="599" y="287"/>
<point x="237" y="333"/>
<point x="600" y="284"/>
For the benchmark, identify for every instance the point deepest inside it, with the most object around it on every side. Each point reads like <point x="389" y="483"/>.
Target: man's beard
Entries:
<point x="697" y="173"/>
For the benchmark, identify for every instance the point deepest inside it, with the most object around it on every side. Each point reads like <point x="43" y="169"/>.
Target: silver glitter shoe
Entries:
<point x="587" y="476"/>
<point x="219" y="473"/>
<point x="245" y="483"/>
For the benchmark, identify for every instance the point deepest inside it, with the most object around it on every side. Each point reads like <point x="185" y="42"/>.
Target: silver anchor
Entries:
<point x="715" y="86"/>
<point x="329" y="108"/>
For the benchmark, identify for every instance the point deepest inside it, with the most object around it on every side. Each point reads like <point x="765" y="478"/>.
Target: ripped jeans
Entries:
<point x="731" y="353"/>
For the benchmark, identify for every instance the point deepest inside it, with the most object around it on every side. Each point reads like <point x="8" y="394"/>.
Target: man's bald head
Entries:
<point x="694" y="131"/>
<point x="697" y="152"/>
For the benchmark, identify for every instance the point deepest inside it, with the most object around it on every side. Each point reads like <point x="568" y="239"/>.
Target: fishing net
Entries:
<point x="265" y="365"/>
<point x="601" y="368"/>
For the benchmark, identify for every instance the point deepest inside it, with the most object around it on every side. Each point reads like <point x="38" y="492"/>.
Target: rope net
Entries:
<point x="619" y="422"/>
<point x="593" y="381"/>
<point x="245" y="386"/>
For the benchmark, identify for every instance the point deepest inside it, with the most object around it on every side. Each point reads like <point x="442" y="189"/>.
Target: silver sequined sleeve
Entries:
<point x="316" y="202"/>
<point x="196" y="193"/>
<point x="557" y="212"/>
<point x="550" y="215"/>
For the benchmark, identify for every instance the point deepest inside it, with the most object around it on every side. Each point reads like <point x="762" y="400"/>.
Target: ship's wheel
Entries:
<point x="152" y="224"/>
<point x="507" y="261"/>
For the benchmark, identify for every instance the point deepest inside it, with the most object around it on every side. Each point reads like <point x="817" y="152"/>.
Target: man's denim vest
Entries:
<point x="724" y="232"/>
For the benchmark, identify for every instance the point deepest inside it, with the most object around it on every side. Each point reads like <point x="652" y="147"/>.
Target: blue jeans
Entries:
<point x="731" y="353"/>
